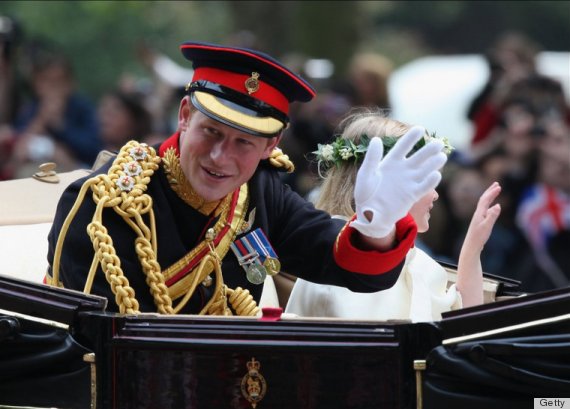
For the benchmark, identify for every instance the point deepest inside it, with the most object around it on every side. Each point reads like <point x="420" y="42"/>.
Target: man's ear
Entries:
<point x="184" y="113"/>
<point x="271" y="144"/>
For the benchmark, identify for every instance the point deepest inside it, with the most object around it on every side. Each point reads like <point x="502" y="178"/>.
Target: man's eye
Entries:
<point x="245" y="142"/>
<point x="210" y="131"/>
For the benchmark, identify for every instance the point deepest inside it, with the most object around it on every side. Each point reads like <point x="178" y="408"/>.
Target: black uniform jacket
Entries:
<point x="306" y="241"/>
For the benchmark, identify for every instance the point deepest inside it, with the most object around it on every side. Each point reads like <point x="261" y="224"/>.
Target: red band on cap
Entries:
<point x="235" y="81"/>
<point x="252" y="55"/>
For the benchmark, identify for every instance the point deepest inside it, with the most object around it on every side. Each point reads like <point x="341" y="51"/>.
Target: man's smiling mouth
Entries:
<point x="215" y="174"/>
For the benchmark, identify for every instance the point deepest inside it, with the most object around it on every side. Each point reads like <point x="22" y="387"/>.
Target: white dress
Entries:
<point x="419" y="295"/>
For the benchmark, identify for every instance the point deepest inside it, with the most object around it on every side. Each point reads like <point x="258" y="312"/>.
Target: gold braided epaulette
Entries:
<point x="123" y="189"/>
<point x="281" y="160"/>
<point x="132" y="168"/>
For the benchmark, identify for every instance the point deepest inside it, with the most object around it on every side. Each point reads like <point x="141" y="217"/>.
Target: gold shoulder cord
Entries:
<point x="123" y="189"/>
<point x="281" y="160"/>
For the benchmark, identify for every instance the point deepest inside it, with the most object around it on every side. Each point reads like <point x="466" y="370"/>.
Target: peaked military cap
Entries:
<point x="245" y="89"/>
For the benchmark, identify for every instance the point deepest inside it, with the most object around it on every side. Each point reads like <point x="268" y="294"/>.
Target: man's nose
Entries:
<point x="220" y="151"/>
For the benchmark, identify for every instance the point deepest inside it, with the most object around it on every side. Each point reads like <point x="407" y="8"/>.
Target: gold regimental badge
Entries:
<point x="253" y="386"/>
<point x="247" y="224"/>
<point x="252" y="83"/>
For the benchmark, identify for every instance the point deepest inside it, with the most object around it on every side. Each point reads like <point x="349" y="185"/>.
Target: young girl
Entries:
<point x="421" y="292"/>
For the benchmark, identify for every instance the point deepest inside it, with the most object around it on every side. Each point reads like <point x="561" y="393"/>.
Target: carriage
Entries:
<point x="61" y="348"/>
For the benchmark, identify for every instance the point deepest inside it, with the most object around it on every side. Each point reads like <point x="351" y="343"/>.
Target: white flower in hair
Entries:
<point x="328" y="153"/>
<point x="345" y="153"/>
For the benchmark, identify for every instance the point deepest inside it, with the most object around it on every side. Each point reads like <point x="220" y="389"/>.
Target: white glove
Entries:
<point x="386" y="189"/>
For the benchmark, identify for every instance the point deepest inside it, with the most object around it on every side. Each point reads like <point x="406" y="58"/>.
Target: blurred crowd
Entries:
<point x="46" y="117"/>
<point x="520" y="138"/>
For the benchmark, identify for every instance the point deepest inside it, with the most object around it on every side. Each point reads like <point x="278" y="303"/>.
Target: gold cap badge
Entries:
<point x="252" y="83"/>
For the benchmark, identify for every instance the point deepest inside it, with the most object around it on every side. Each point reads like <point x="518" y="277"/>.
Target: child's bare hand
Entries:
<point x="483" y="219"/>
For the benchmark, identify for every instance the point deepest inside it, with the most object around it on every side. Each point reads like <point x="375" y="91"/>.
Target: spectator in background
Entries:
<point x="543" y="214"/>
<point x="510" y="153"/>
<point x="368" y="80"/>
<point x="122" y="117"/>
<point x="168" y="87"/>
<point x="10" y="34"/>
<point x="512" y="147"/>
<point x="511" y="59"/>
<point x="528" y="152"/>
<point x="312" y="125"/>
<point x="57" y="124"/>
<point x="9" y="39"/>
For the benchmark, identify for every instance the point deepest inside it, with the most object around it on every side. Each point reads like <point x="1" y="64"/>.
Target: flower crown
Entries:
<point x="344" y="150"/>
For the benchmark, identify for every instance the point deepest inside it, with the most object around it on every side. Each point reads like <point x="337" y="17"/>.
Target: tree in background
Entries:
<point x="102" y="37"/>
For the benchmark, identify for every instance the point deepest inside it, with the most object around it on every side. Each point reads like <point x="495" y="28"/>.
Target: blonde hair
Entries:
<point x="336" y="195"/>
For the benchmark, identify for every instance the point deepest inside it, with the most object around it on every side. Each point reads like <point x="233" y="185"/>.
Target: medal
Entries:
<point x="255" y="254"/>
<point x="255" y="273"/>
<point x="272" y="265"/>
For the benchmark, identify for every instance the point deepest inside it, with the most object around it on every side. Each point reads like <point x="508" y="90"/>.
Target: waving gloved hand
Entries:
<point x="387" y="188"/>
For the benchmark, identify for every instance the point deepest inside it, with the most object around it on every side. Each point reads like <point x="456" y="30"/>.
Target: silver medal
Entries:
<point x="256" y="273"/>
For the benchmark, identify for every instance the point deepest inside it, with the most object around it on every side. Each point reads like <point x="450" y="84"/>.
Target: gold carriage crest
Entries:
<point x="253" y="386"/>
<point x="252" y="83"/>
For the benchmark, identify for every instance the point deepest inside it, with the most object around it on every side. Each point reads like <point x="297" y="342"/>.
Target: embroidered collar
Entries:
<point x="184" y="190"/>
<point x="178" y="182"/>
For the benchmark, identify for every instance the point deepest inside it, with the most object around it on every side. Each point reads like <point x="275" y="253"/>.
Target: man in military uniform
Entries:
<point x="194" y="225"/>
